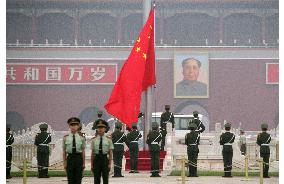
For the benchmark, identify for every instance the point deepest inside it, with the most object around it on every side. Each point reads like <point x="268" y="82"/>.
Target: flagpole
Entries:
<point x="149" y="91"/>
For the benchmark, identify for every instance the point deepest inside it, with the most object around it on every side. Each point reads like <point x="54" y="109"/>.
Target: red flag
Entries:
<point x="136" y="75"/>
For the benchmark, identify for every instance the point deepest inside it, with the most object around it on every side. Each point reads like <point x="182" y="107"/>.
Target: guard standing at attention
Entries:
<point x="227" y="139"/>
<point x="9" y="142"/>
<point x="199" y="125"/>
<point x="153" y="139"/>
<point x="263" y="140"/>
<point x="42" y="141"/>
<point x="243" y="145"/>
<point x="192" y="140"/>
<point x="166" y="117"/>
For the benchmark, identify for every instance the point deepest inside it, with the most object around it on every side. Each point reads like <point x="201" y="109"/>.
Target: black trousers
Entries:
<point x="227" y="159"/>
<point x="134" y="150"/>
<point x="42" y="162"/>
<point x="117" y="162"/>
<point x="8" y="160"/>
<point x="155" y="162"/>
<point x="192" y="165"/>
<point x="163" y="143"/>
<point x="101" y="169"/>
<point x="74" y="168"/>
<point x="265" y="157"/>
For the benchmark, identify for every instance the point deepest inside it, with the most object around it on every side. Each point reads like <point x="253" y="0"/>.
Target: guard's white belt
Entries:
<point x="43" y="144"/>
<point x="229" y="144"/>
<point x="192" y="144"/>
<point x="154" y="143"/>
<point x="134" y="141"/>
<point x="265" y="145"/>
<point x="118" y="143"/>
<point x="8" y="146"/>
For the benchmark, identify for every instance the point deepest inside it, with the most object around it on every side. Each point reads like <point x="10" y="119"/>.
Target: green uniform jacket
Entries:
<point x="118" y="138"/>
<point x="167" y="117"/>
<point x="264" y="138"/>
<point x="134" y="135"/>
<point x="191" y="139"/>
<point x="153" y="139"/>
<point x="226" y="138"/>
<point x="199" y="125"/>
<point x="9" y="139"/>
<point x="41" y="140"/>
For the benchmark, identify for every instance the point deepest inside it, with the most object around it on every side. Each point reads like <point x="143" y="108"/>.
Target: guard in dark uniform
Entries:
<point x="263" y="140"/>
<point x="192" y="140"/>
<point x="243" y="145"/>
<point x="42" y="141"/>
<point x="118" y="139"/>
<point x="74" y="152"/>
<point x="132" y="142"/>
<point x="101" y="156"/>
<point x="9" y="142"/>
<point x="153" y="139"/>
<point x="100" y="114"/>
<point x="199" y="125"/>
<point x="227" y="139"/>
<point x="166" y="117"/>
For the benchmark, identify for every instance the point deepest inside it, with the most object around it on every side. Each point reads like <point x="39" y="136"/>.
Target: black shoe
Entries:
<point x="266" y="176"/>
<point x="45" y="177"/>
<point x="158" y="175"/>
<point x="195" y="176"/>
<point x="120" y="176"/>
<point x="136" y="171"/>
<point x="115" y="176"/>
<point x="152" y="175"/>
<point x="8" y="177"/>
<point x="131" y="171"/>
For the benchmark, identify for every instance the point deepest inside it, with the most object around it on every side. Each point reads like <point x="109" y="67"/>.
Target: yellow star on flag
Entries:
<point x="137" y="49"/>
<point x="144" y="56"/>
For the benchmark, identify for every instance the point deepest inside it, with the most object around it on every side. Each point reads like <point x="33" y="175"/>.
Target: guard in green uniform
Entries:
<point x="100" y="114"/>
<point x="243" y="145"/>
<point x="153" y="139"/>
<point x="166" y="117"/>
<point x="199" y="125"/>
<point x="101" y="155"/>
<point x="227" y="139"/>
<point x="42" y="141"/>
<point x="263" y="140"/>
<point x="192" y="141"/>
<point x="9" y="142"/>
<point x="74" y="152"/>
<point x="132" y="139"/>
<point x="118" y="139"/>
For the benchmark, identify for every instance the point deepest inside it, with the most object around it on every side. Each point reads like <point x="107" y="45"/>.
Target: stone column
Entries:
<point x="34" y="28"/>
<point x="221" y="29"/>
<point x="263" y="29"/>
<point x="119" y="29"/>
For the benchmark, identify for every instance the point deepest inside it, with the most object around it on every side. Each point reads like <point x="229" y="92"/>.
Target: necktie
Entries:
<point x="101" y="146"/>
<point x="74" y="145"/>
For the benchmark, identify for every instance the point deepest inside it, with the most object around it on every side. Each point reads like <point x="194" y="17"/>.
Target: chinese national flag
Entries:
<point x="136" y="75"/>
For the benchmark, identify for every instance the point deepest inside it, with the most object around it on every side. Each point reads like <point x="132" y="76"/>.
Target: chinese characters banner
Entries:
<point x="43" y="73"/>
<point x="272" y="73"/>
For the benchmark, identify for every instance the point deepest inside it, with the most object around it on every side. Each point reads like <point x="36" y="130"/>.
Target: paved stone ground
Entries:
<point x="143" y="178"/>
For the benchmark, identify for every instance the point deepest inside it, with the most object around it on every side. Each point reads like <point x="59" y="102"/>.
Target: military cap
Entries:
<point x="242" y="130"/>
<point x="195" y="113"/>
<point x="141" y="114"/>
<point x="167" y="106"/>
<point x="155" y="125"/>
<point x="43" y="126"/>
<point x="227" y="125"/>
<point x="99" y="112"/>
<point x="73" y="120"/>
<point x="118" y="124"/>
<point x="264" y="125"/>
<point x="102" y="123"/>
<point x="134" y="125"/>
<point x="192" y="125"/>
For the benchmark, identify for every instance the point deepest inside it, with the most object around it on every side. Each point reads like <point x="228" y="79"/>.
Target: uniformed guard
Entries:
<point x="100" y="114"/>
<point x="74" y="152"/>
<point x="199" y="125"/>
<point x="192" y="140"/>
<point x="166" y="117"/>
<point x="80" y="131"/>
<point x="153" y="139"/>
<point x="132" y="139"/>
<point x="242" y="143"/>
<point x="227" y="139"/>
<point x="101" y="156"/>
<point x="42" y="141"/>
<point x="263" y="140"/>
<point x="118" y="139"/>
<point x="9" y="142"/>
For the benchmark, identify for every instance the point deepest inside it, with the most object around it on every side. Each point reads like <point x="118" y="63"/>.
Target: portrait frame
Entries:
<point x="203" y="77"/>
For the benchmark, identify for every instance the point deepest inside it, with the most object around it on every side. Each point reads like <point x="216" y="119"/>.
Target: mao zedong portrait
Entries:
<point x="190" y="86"/>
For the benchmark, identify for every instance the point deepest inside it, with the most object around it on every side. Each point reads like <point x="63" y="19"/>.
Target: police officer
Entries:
<point x="192" y="140"/>
<point x="132" y="142"/>
<point x="199" y="125"/>
<point x="227" y="139"/>
<point x="101" y="156"/>
<point x="243" y="145"/>
<point x="118" y="139"/>
<point x="100" y="114"/>
<point x="9" y="142"/>
<point x="153" y="139"/>
<point x="74" y="152"/>
<point x="166" y="117"/>
<point x="42" y="141"/>
<point x="263" y="140"/>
